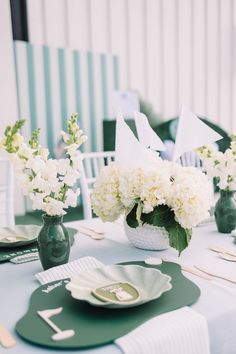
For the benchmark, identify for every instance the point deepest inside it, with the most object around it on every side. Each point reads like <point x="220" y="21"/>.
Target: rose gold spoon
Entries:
<point x="227" y="257"/>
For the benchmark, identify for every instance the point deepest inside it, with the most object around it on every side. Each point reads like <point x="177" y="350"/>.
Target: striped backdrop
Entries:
<point x="53" y="82"/>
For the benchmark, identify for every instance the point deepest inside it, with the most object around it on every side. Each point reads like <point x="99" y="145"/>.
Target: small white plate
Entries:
<point x="150" y="283"/>
<point x="18" y="235"/>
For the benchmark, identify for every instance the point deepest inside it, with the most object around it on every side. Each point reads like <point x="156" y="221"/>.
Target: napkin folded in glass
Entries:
<point x="182" y="331"/>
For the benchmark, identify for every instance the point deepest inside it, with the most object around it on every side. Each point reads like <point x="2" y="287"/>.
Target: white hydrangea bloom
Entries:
<point x="190" y="196"/>
<point x="185" y="190"/>
<point x="105" y="197"/>
<point x="147" y="185"/>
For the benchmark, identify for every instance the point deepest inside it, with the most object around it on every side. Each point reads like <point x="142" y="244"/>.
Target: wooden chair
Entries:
<point x="91" y="165"/>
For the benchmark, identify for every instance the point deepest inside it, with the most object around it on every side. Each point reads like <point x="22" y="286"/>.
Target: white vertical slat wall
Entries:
<point x="171" y="65"/>
<point x="171" y="51"/>
<point x="8" y="96"/>
<point x="212" y="66"/>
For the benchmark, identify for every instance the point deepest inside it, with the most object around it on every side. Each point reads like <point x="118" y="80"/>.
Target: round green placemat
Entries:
<point x="95" y="326"/>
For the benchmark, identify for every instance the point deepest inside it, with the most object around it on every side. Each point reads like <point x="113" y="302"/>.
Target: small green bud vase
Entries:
<point x="53" y="242"/>
<point x="225" y="212"/>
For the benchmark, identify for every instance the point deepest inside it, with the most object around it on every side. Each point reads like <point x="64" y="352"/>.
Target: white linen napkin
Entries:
<point x="192" y="133"/>
<point x="129" y="152"/>
<point x="146" y="134"/>
<point x="68" y="270"/>
<point x="182" y="331"/>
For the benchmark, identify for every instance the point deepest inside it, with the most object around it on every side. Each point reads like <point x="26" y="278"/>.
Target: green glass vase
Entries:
<point x="225" y="212"/>
<point x="53" y="242"/>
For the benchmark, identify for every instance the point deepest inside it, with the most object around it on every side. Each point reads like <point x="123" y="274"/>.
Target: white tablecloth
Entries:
<point x="216" y="303"/>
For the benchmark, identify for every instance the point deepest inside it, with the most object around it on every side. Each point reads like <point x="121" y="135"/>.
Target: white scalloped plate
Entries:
<point x="18" y="235"/>
<point x="151" y="283"/>
<point x="21" y="235"/>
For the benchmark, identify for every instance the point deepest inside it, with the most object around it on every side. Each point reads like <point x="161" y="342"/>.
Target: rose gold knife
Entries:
<point x="6" y="339"/>
<point x="190" y="269"/>
<point x="196" y="272"/>
<point x="222" y="250"/>
<point x="216" y="275"/>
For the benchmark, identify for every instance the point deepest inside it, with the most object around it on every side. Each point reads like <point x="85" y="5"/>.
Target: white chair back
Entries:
<point x="91" y="165"/>
<point x="6" y="194"/>
<point x="190" y="159"/>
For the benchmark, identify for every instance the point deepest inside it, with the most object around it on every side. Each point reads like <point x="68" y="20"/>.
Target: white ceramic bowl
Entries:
<point x="151" y="283"/>
<point x="147" y="237"/>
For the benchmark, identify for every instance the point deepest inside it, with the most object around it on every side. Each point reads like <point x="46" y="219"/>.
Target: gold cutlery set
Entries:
<point x="94" y="233"/>
<point x="206" y="273"/>
<point x="225" y="254"/>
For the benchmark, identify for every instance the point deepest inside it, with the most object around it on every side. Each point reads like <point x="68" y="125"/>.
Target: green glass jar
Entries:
<point x="53" y="242"/>
<point x="225" y="212"/>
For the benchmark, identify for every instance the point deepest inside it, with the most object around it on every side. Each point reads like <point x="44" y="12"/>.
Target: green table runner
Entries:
<point x="95" y="326"/>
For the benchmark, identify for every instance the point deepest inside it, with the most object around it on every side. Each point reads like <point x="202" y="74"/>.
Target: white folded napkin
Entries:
<point x="182" y="331"/>
<point x="68" y="270"/>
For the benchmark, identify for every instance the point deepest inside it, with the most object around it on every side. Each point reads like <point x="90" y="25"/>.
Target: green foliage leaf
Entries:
<point x="179" y="237"/>
<point x="161" y="216"/>
<point x="131" y="217"/>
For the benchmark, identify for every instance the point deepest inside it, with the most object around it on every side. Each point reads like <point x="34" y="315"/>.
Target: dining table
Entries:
<point x="217" y="302"/>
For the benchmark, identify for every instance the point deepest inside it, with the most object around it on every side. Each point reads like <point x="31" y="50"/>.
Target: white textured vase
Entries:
<point x="147" y="237"/>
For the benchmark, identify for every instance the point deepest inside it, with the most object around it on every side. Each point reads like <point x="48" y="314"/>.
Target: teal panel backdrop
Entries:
<point x="54" y="82"/>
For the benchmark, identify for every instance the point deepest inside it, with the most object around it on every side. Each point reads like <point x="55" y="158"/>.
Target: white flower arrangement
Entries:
<point x="50" y="183"/>
<point x="162" y="194"/>
<point x="221" y="166"/>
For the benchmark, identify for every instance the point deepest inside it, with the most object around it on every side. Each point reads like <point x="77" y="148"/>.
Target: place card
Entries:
<point x="7" y="254"/>
<point x="117" y="293"/>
